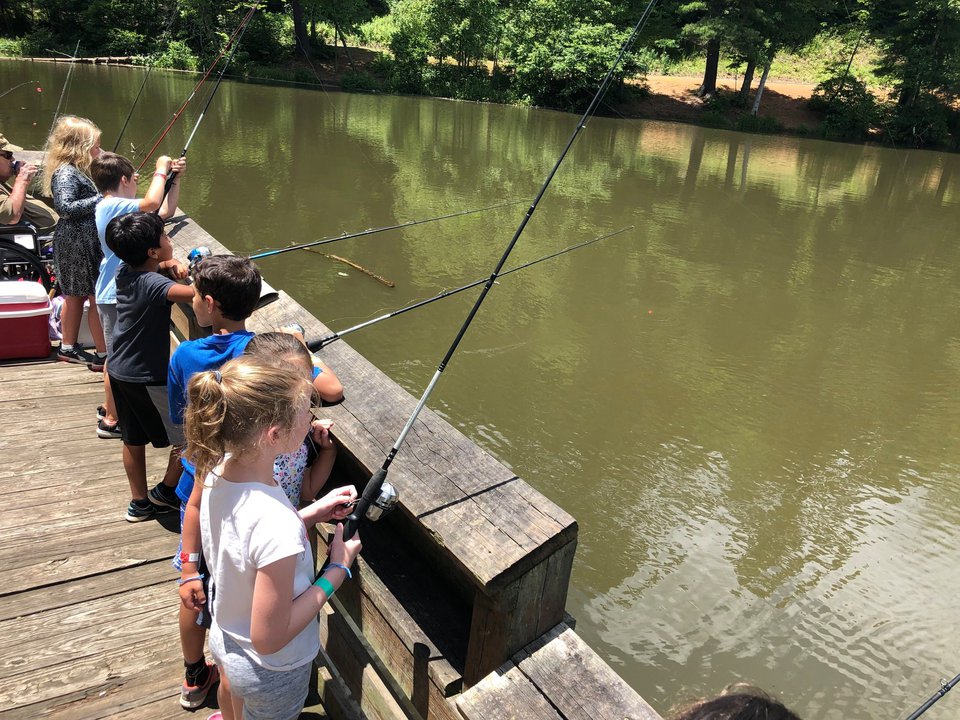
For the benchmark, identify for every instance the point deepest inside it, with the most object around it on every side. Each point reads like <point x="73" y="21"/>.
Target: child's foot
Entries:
<point x="107" y="431"/>
<point x="163" y="497"/>
<point x="101" y="412"/>
<point x="97" y="361"/>
<point x="75" y="354"/>
<point x="140" y="510"/>
<point x="194" y="696"/>
<point x="216" y="716"/>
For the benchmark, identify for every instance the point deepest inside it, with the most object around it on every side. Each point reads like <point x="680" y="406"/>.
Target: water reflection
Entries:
<point x="748" y="402"/>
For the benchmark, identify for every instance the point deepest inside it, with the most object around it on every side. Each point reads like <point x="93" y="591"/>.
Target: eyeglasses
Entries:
<point x="6" y="154"/>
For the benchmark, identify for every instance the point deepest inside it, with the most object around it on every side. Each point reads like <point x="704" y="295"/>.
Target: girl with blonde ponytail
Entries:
<point x="264" y="598"/>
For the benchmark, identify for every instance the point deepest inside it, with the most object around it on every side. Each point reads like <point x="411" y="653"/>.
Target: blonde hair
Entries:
<point x="228" y="409"/>
<point x="70" y="143"/>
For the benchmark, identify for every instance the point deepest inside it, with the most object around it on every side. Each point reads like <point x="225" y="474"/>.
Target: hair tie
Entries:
<point x="217" y="376"/>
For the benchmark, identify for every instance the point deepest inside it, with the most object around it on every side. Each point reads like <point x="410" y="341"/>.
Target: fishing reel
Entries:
<point x="202" y="252"/>
<point x="386" y="501"/>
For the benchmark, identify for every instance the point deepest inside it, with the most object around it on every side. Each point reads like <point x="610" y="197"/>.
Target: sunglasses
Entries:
<point x="7" y="154"/>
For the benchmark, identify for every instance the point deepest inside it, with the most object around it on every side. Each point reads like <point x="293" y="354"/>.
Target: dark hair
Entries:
<point x="108" y="169"/>
<point x="233" y="282"/>
<point x="739" y="701"/>
<point x="130" y="236"/>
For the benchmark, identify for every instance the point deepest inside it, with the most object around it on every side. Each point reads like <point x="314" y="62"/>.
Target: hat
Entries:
<point x="7" y="145"/>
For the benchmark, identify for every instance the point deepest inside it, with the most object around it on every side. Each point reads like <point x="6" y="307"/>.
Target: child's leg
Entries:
<point x="96" y="328"/>
<point x="70" y="317"/>
<point x="110" y="408"/>
<point x="135" y="465"/>
<point x="172" y="474"/>
<point x="231" y="707"/>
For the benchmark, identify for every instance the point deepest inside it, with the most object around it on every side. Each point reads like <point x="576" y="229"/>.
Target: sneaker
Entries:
<point x="138" y="513"/>
<point x="216" y="716"/>
<point x="101" y="412"/>
<point x="107" y="431"/>
<point x="97" y="362"/>
<point x="163" y="497"/>
<point x="194" y="696"/>
<point x="75" y="355"/>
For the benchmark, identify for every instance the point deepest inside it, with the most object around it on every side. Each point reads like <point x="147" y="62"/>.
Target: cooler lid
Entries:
<point x="20" y="292"/>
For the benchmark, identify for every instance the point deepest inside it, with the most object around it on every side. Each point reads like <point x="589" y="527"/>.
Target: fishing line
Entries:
<point x="213" y="92"/>
<point x="373" y="231"/>
<point x="933" y="698"/>
<point x="63" y="92"/>
<point x="333" y="337"/>
<point x="380" y="496"/>
<point x="176" y="115"/>
<point x="15" y="87"/>
<point x="130" y="114"/>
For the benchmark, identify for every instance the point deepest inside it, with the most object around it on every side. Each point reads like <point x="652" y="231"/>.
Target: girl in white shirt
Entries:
<point x="265" y="602"/>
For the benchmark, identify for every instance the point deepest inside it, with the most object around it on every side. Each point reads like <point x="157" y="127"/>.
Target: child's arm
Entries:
<point x="180" y="293"/>
<point x="277" y="617"/>
<point x="169" y="206"/>
<point x="315" y="476"/>
<point x="150" y="202"/>
<point x="191" y="594"/>
<point x="335" y="505"/>
<point x="174" y="269"/>
<point x="327" y="384"/>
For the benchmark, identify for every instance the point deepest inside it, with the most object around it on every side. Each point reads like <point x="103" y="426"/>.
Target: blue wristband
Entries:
<point x="342" y="567"/>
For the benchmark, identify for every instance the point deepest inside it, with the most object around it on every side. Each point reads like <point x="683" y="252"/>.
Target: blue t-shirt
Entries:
<point x="107" y="210"/>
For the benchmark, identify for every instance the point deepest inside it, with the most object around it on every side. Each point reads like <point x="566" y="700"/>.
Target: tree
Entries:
<point x="706" y="26"/>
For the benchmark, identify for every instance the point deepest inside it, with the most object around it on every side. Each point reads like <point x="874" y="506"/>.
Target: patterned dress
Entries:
<point x="288" y="471"/>
<point x="76" y="248"/>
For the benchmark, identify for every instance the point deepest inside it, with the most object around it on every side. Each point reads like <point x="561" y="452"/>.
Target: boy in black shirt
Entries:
<point x="141" y="354"/>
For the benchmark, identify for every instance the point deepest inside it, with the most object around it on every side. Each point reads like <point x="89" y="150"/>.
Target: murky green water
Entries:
<point x="749" y="402"/>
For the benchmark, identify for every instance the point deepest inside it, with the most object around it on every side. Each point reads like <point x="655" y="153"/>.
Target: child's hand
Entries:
<point x="179" y="165"/>
<point x="192" y="595"/>
<point x="175" y="269"/>
<point x="163" y="164"/>
<point x="320" y="431"/>
<point x="343" y="551"/>
<point x="335" y="505"/>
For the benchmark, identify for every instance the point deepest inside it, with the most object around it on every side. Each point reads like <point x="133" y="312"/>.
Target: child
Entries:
<point x="300" y="475"/>
<point x="227" y="291"/>
<point x="264" y="634"/>
<point x="72" y="146"/>
<point x="116" y="179"/>
<point x="141" y="350"/>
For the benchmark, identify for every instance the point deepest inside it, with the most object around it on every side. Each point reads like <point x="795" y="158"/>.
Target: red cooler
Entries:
<point x="24" y="318"/>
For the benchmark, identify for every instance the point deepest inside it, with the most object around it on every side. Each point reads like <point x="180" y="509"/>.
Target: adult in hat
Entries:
<point x="16" y="206"/>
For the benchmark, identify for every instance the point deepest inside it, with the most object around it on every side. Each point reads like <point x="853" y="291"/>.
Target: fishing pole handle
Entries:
<point x="370" y="494"/>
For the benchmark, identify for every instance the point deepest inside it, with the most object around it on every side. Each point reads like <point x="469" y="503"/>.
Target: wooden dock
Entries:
<point x="455" y="612"/>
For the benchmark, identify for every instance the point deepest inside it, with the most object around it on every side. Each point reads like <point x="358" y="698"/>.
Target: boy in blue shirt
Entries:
<point x="141" y="350"/>
<point x="116" y="180"/>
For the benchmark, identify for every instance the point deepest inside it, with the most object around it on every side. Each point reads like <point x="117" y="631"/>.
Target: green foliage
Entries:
<point x="925" y="122"/>
<point x="758" y="124"/>
<point x="360" y="81"/>
<point x="39" y="42"/>
<point x="849" y="110"/>
<point x="377" y="32"/>
<point x="11" y="47"/>
<point x="177" y="56"/>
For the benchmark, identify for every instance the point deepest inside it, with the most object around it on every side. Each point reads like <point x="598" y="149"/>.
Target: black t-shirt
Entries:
<point x="141" y="336"/>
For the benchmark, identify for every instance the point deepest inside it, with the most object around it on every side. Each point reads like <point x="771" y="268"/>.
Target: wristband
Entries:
<point x="184" y="581"/>
<point x="186" y="557"/>
<point x="163" y="175"/>
<point x="342" y="567"/>
<point x="325" y="585"/>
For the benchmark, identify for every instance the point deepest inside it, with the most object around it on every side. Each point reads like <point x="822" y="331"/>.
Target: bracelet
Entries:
<point x="342" y="567"/>
<point x="325" y="585"/>
<point x="184" y="581"/>
<point x="160" y="174"/>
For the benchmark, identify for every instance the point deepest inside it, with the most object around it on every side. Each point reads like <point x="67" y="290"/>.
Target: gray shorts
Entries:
<point x="158" y="395"/>
<point x="108" y="318"/>
<point x="267" y="694"/>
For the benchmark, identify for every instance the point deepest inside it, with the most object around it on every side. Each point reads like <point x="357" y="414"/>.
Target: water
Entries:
<point x="748" y="401"/>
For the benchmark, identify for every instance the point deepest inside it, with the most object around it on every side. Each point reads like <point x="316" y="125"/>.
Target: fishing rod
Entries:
<point x="373" y="231"/>
<point x="130" y="114"/>
<point x="320" y="343"/>
<point x="944" y="689"/>
<point x="63" y="92"/>
<point x="16" y="87"/>
<point x="378" y="495"/>
<point x="203" y="79"/>
<point x="196" y="126"/>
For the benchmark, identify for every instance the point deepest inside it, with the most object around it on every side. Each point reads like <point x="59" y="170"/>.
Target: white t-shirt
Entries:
<point x="243" y="527"/>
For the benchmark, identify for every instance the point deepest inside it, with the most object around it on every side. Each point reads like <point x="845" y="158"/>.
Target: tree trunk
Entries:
<point x="709" y="85"/>
<point x="747" y="82"/>
<point x="343" y="39"/>
<point x="760" y="87"/>
<point x="300" y="27"/>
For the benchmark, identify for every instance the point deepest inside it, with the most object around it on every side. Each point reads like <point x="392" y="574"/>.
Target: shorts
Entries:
<point x="108" y="318"/>
<point x="143" y="414"/>
<point x="267" y="694"/>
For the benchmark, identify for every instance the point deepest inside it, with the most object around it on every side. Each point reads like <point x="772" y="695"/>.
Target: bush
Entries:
<point x="38" y="42"/>
<point x="122" y="42"/>
<point x="360" y="81"/>
<point x="925" y="123"/>
<point x="11" y="47"/>
<point x="849" y="110"/>
<point x="176" y="56"/>
<point x="758" y="124"/>
<point x="376" y="33"/>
